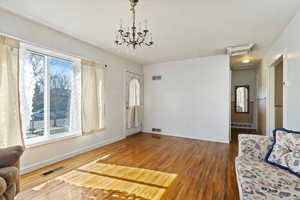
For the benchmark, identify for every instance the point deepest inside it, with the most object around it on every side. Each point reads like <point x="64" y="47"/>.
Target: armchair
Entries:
<point x="9" y="172"/>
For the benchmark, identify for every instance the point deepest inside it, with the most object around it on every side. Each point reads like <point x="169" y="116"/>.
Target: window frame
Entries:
<point x="47" y="137"/>
<point x="248" y="99"/>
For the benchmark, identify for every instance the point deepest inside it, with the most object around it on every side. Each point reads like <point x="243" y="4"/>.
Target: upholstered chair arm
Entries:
<point x="10" y="174"/>
<point x="10" y="156"/>
<point x="254" y="146"/>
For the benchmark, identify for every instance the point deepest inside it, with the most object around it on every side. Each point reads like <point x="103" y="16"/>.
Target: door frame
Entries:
<point x="271" y="92"/>
<point x="127" y="131"/>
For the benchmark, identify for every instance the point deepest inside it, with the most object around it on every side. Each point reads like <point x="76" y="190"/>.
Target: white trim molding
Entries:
<point x="39" y="165"/>
<point x="187" y="137"/>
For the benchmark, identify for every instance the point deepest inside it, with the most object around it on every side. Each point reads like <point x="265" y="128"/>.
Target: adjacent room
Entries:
<point x="149" y="100"/>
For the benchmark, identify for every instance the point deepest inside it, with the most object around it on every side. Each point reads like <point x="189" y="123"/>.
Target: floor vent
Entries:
<point x="51" y="171"/>
<point x="156" y="129"/>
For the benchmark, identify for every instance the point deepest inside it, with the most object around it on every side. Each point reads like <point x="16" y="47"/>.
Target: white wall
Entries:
<point x="245" y="77"/>
<point x="114" y="89"/>
<point x="192" y="100"/>
<point x="288" y="43"/>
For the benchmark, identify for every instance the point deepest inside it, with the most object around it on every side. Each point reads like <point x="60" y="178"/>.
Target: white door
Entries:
<point x="134" y="103"/>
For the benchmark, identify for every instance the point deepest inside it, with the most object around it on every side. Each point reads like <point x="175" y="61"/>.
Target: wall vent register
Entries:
<point x="156" y="78"/>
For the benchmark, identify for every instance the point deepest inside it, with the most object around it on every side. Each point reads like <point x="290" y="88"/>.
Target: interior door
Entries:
<point x="278" y="95"/>
<point x="134" y="78"/>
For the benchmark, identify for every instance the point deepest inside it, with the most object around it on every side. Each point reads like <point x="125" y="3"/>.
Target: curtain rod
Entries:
<point x="51" y="49"/>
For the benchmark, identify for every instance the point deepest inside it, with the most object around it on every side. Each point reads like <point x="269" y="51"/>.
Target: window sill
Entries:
<point x="93" y="131"/>
<point x="36" y="142"/>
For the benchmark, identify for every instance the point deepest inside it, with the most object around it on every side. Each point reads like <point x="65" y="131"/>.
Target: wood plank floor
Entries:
<point x="205" y="169"/>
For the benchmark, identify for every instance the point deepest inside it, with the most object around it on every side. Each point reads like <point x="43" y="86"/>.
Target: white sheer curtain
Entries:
<point x="92" y="97"/>
<point x="10" y="121"/>
<point x="134" y="103"/>
<point x="27" y="85"/>
<point x="75" y="105"/>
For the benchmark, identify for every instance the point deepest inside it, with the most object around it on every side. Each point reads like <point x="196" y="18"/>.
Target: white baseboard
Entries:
<point x="44" y="163"/>
<point x="188" y="137"/>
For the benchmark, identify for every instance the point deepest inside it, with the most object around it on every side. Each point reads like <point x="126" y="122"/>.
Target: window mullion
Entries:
<point x="47" y="99"/>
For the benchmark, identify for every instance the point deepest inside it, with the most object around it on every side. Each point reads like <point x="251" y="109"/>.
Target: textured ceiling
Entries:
<point x="181" y="29"/>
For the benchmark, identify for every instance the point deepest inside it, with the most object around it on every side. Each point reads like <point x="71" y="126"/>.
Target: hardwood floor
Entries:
<point x="205" y="169"/>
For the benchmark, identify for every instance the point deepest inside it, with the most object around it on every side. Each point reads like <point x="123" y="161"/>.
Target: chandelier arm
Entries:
<point x="142" y="41"/>
<point x="126" y="35"/>
<point x="139" y="38"/>
<point x="149" y="44"/>
<point x="129" y="38"/>
<point x="121" y="33"/>
<point x="120" y="43"/>
<point x="145" y="33"/>
<point x="123" y="40"/>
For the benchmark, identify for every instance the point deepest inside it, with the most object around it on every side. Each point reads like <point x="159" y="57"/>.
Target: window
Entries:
<point x="242" y="99"/>
<point x="50" y="95"/>
<point x="134" y="92"/>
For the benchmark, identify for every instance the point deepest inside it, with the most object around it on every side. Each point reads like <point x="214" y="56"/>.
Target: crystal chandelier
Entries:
<point x="133" y="37"/>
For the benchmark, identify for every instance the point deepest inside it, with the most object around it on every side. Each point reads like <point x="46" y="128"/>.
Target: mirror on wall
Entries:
<point x="242" y="99"/>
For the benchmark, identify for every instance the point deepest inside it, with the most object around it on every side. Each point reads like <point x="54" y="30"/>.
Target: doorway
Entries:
<point x="278" y="104"/>
<point x="134" y="103"/>
<point x="243" y="99"/>
<point x="276" y="95"/>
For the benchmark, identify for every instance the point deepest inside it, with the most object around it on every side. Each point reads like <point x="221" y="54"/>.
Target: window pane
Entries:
<point x="36" y="125"/>
<point x="134" y="93"/>
<point x="61" y="77"/>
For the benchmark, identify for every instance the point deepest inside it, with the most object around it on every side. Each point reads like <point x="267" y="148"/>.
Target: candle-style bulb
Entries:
<point x="146" y="24"/>
<point x="121" y="24"/>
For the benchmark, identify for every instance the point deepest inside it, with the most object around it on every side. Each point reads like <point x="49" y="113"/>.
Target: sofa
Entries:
<point x="9" y="172"/>
<point x="259" y="180"/>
